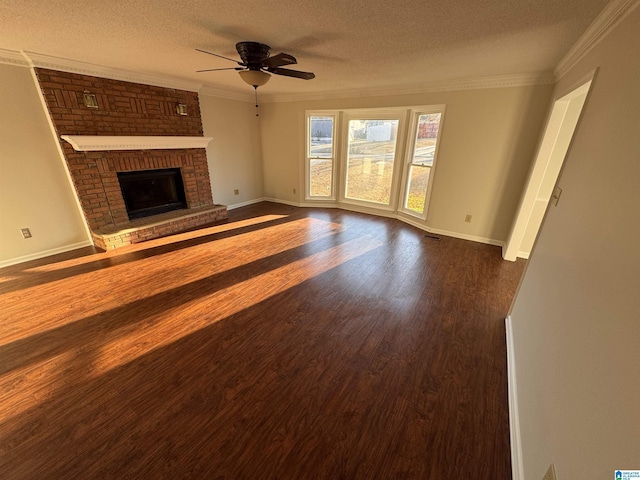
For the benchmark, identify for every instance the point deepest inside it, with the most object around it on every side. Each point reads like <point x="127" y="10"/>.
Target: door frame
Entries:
<point x="543" y="175"/>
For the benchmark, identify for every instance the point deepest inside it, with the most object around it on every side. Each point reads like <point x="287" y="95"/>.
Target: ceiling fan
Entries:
<point x="257" y="65"/>
<point x="256" y="62"/>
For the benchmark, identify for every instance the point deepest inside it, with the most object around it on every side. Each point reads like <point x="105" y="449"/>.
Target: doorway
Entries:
<point x="544" y="173"/>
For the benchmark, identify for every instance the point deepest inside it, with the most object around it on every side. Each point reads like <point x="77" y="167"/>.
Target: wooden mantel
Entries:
<point x="94" y="143"/>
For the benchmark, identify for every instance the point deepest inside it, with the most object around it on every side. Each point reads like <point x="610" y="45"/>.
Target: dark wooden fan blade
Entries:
<point x="292" y="73"/>
<point x="217" y="69"/>
<point x="221" y="56"/>
<point x="279" y="60"/>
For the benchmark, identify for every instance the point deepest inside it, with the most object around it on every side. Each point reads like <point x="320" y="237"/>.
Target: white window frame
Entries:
<point x="407" y="129"/>
<point x="412" y="132"/>
<point x="334" y="158"/>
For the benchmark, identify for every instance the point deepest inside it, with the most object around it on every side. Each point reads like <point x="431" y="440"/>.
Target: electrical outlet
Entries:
<point x="26" y="233"/>
<point x="551" y="473"/>
<point x="294" y="191"/>
<point x="236" y="192"/>
<point x="467" y="219"/>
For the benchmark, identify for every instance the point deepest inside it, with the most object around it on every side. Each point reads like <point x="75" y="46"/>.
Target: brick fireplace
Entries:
<point x="130" y="113"/>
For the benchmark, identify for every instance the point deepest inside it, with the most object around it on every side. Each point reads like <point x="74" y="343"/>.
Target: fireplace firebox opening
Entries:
<point x="151" y="192"/>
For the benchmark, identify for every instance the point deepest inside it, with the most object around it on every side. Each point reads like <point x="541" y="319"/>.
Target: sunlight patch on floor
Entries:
<point x="66" y="325"/>
<point x="89" y="294"/>
<point x="118" y="347"/>
<point x="17" y="392"/>
<point x="179" y="237"/>
<point x="168" y="328"/>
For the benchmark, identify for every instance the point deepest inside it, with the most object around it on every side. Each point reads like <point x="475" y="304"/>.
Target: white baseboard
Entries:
<point x="245" y="204"/>
<point x="517" y="470"/>
<point x="446" y="233"/>
<point x="362" y="209"/>
<point x="287" y="202"/>
<point x="508" y="257"/>
<point x="464" y="236"/>
<point x="524" y="255"/>
<point x="389" y="214"/>
<point x="45" y="253"/>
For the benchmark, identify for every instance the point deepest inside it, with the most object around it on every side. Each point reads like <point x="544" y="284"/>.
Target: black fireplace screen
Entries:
<point x="151" y="192"/>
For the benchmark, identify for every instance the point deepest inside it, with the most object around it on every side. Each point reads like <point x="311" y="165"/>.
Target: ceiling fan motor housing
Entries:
<point x="253" y="53"/>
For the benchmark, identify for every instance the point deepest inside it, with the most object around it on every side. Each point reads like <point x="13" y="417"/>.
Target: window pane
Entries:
<point x="418" y="182"/>
<point x="321" y="173"/>
<point x="372" y="146"/>
<point x="321" y="133"/>
<point x="426" y="137"/>
<point x="320" y="156"/>
<point x="422" y="161"/>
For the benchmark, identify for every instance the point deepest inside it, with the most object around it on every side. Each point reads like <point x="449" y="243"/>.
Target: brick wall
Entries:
<point x="428" y="130"/>
<point x="96" y="181"/>
<point x="124" y="108"/>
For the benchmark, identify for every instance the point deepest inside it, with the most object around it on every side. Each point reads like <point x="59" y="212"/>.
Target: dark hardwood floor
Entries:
<point x="285" y="344"/>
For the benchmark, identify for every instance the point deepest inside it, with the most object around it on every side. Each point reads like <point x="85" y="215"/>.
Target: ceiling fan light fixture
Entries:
<point x="255" y="78"/>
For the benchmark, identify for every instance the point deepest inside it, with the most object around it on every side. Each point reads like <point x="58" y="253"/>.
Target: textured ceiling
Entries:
<point x="350" y="45"/>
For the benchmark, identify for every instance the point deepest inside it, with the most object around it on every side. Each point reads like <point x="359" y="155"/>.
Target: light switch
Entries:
<point x="555" y="196"/>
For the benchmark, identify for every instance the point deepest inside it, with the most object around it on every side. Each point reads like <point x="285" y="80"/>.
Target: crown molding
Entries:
<point x="73" y="66"/>
<point x="607" y="20"/>
<point x="32" y="59"/>
<point x="231" y="95"/>
<point x="11" y="57"/>
<point x="95" y="143"/>
<point x="498" y="81"/>
<point x="39" y="60"/>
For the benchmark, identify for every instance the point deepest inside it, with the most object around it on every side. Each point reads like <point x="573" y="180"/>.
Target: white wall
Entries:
<point x="576" y="318"/>
<point x="34" y="189"/>
<point x="487" y="144"/>
<point x="234" y="154"/>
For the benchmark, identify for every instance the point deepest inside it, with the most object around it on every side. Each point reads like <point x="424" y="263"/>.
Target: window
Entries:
<point x="321" y="156"/>
<point x="426" y="127"/>
<point x="370" y="160"/>
<point x="356" y="157"/>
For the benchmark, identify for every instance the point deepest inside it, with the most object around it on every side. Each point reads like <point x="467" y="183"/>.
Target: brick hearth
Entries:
<point x="128" y="109"/>
<point x="148" y="228"/>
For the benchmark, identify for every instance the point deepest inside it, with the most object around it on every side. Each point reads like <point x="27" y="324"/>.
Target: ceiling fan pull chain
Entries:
<point x="255" y="89"/>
